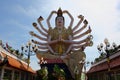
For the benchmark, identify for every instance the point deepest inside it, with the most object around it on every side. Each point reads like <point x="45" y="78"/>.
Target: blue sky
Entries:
<point x="16" y="18"/>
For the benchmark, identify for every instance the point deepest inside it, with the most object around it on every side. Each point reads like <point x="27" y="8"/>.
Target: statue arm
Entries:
<point x="39" y="21"/>
<point x="51" y="42"/>
<point x="72" y="19"/>
<point x="39" y="30"/>
<point x="68" y="50"/>
<point x="82" y="46"/>
<point x="83" y="34"/>
<point x="44" y="54"/>
<point x="82" y="41"/>
<point x="77" y="42"/>
<point x="39" y="43"/>
<point x="37" y="36"/>
<point x="69" y="42"/>
<point x="83" y="27"/>
<point x="51" y="50"/>
<point x="48" y="19"/>
<point x="81" y="19"/>
<point x="42" y="47"/>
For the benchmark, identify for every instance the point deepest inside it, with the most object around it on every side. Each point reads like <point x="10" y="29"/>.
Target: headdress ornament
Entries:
<point x="59" y="12"/>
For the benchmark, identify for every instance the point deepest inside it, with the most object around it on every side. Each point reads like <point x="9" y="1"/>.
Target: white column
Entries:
<point x="115" y="75"/>
<point x="19" y="75"/>
<point x="2" y="74"/>
<point x="13" y="74"/>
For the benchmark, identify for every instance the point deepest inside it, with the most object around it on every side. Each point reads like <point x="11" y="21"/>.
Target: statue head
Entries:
<point x="59" y="21"/>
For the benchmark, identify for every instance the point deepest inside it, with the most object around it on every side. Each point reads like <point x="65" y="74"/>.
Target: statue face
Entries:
<point x="59" y="22"/>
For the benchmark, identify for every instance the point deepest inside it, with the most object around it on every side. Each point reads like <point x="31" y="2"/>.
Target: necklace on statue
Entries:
<point x="59" y="30"/>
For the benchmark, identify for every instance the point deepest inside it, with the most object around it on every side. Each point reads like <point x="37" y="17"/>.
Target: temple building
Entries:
<point x="13" y="67"/>
<point x="100" y="70"/>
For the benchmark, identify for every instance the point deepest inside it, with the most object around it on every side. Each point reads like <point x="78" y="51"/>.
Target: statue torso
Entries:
<point x="56" y="33"/>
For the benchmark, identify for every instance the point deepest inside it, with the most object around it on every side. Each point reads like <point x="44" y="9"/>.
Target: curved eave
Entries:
<point x="16" y="62"/>
<point x="103" y="65"/>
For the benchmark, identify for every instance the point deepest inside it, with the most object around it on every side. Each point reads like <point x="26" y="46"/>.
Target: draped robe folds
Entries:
<point x="55" y="34"/>
<point x="60" y="48"/>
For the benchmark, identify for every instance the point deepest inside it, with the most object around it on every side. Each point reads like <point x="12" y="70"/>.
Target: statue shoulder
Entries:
<point x="50" y="30"/>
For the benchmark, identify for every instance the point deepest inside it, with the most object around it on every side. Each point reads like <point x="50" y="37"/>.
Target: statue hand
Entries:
<point x="40" y="19"/>
<point x="85" y="21"/>
<point x="60" y="38"/>
<point x="34" y="24"/>
<point x="81" y="17"/>
<point x="31" y="33"/>
<point x="89" y="30"/>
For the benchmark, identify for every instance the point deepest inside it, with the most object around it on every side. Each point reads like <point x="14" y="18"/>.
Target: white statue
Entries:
<point x="63" y="42"/>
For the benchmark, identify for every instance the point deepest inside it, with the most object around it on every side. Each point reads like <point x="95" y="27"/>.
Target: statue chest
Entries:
<point x="56" y="34"/>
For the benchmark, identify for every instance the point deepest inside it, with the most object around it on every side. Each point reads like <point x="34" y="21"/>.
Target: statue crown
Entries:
<point x="59" y="12"/>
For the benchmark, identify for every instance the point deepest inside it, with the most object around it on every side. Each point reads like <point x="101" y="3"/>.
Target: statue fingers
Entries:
<point x="85" y="21"/>
<point x="81" y="17"/>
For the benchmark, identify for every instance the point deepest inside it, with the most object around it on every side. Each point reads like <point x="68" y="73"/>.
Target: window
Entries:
<point x="22" y="76"/>
<point x="16" y="75"/>
<point x="7" y="74"/>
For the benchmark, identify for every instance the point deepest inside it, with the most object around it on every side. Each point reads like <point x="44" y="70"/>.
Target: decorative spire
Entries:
<point x="59" y="12"/>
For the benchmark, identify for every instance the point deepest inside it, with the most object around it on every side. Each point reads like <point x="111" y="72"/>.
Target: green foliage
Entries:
<point x="58" y="71"/>
<point x="43" y="73"/>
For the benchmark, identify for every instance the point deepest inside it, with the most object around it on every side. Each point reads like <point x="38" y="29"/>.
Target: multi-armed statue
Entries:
<point x="66" y="43"/>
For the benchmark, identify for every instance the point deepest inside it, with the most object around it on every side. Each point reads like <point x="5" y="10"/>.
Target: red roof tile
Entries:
<point x="115" y="62"/>
<point x="18" y="64"/>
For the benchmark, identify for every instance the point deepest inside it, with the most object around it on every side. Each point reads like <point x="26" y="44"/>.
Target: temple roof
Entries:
<point x="15" y="62"/>
<point x="102" y="65"/>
